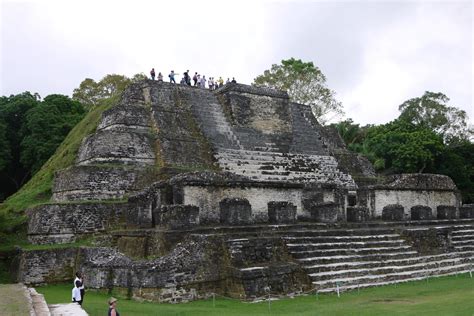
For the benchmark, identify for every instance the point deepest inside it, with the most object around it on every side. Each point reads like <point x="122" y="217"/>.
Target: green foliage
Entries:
<point x="47" y="125"/>
<point x="439" y="296"/>
<point x="90" y="93"/>
<point x="5" y="154"/>
<point x="305" y="83"/>
<point x="38" y="189"/>
<point x="429" y="136"/>
<point x="405" y="148"/>
<point x="13" y="113"/>
<point x="431" y="111"/>
<point x="30" y="132"/>
<point x="457" y="161"/>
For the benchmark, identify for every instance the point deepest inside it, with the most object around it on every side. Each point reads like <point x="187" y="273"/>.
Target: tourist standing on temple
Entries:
<point x="171" y="76"/>
<point x="198" y="80"/>
<point x="113" y="307"/>
<point x="227" y="81"/>
<point x="195" y="78"/>
<point x="211" y="83"/>
<point x="152" y="73"/>
<point x="221" y="82"/>
<point x="233" y="80"/>
<point x="80" y="278"/>
<point x="160" y="77"/>
<point x="187" y="79"/>
<point x="203" y="82"/>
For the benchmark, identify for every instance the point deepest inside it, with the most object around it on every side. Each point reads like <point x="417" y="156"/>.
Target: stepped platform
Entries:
<point x="351" y="255"/>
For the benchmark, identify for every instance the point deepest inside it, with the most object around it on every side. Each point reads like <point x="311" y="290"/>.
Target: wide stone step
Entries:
<point x="277" y="173"/>
<point x="342" y="265"/>
<point x="270" y="166"/>
<point x="346" y="251"/>
<point x="464" y="248"/>
<point x="345" y="232"/>
<point x="308" y="261"/>
<point x="251" y="156"/>
<point x="333" y="246"/>
<point x="388" y="269"/>
<point x="460" y="242"/>
<point x="323" y="239"/>
<point x="346" y="287"/>
<point x="259" y="154"/>
<point x="396" y="276"/>
<point x="463" y="233"/>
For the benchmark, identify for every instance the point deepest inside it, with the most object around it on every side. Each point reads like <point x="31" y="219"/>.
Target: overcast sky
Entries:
<point x="375" y="54"/>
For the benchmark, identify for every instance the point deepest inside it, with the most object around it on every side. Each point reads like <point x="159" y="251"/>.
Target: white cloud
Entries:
<point x="375" y="55"/>
<point x="426" y="50"/>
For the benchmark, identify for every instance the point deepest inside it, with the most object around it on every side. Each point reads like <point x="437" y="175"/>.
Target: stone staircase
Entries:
<point x="463" y="239"/>
<point x="282" y="167"/>
<point x="358" y="258"/>
<point x="210" y="117"/>
<point x="351" y="258"/>
<point x="306" y="136"/>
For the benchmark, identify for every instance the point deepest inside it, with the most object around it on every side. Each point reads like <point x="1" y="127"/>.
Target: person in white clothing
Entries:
<point x="203" y="82"/>
<point x="76" y="293"/>
<point x="80" y="278"/>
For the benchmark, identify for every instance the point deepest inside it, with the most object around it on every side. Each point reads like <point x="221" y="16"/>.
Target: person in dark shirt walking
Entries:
<point x="152" y="73"/>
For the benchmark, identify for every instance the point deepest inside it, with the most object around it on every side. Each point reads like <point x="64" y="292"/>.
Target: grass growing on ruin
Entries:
<point x="451" y="295"/>
<point x="38" y="189"/>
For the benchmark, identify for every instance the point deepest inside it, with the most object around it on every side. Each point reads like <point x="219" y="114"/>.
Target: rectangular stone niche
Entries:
<point x="447" y="212"/>
<point x="393" y="212"/>
<point x="357" y="214"/>
<point x="466" y="211"/>
<point x="281" y="212"/>
<point x="421" y="212"/>
<point x="325" y="212"/>
<point x="235" y="211"/>
<point x="179" y="216"/>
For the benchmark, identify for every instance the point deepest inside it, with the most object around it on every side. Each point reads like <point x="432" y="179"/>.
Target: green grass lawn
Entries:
<point x="439" y="296"/>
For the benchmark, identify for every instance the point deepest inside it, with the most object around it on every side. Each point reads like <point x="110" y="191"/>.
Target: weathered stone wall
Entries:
<point x="261" y="117"/>
<point x="410" y="190"/>
<point x="62" y="223"/>
<point x="124" y="134"/>
<point x="180" y="140"/>
<point x="96" y="183"/>
<point x="126" y="116"/>
<point x="207" y="198"/>
<point x="113" y="146"/>
<point x="429" y="241"/>
<point x="47" y="266"/>
<point x="410" y="198"/>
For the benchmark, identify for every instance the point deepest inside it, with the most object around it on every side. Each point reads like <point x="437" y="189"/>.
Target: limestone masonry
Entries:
<point x="186" y="192"/>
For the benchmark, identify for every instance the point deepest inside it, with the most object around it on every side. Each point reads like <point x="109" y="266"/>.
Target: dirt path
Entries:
<point x="14" y="300"/>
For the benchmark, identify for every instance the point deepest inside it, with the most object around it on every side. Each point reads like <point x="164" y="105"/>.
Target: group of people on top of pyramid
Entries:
<point x="198" y="80"/>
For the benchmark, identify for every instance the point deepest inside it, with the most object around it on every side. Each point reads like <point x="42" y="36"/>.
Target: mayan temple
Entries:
<point x="183" y="192"/>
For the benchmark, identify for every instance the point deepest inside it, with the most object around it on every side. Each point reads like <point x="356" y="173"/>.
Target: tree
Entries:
<point x="431" y="111"/>
<point x="47" y="125"/>
<point x="402" y="147"/>
<point x="352" y="134"/>
<point x="30" y="132"/>
<point x="305" y="84"/>
<point x="90" y="93"/>
<point x="13" y="112"/>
